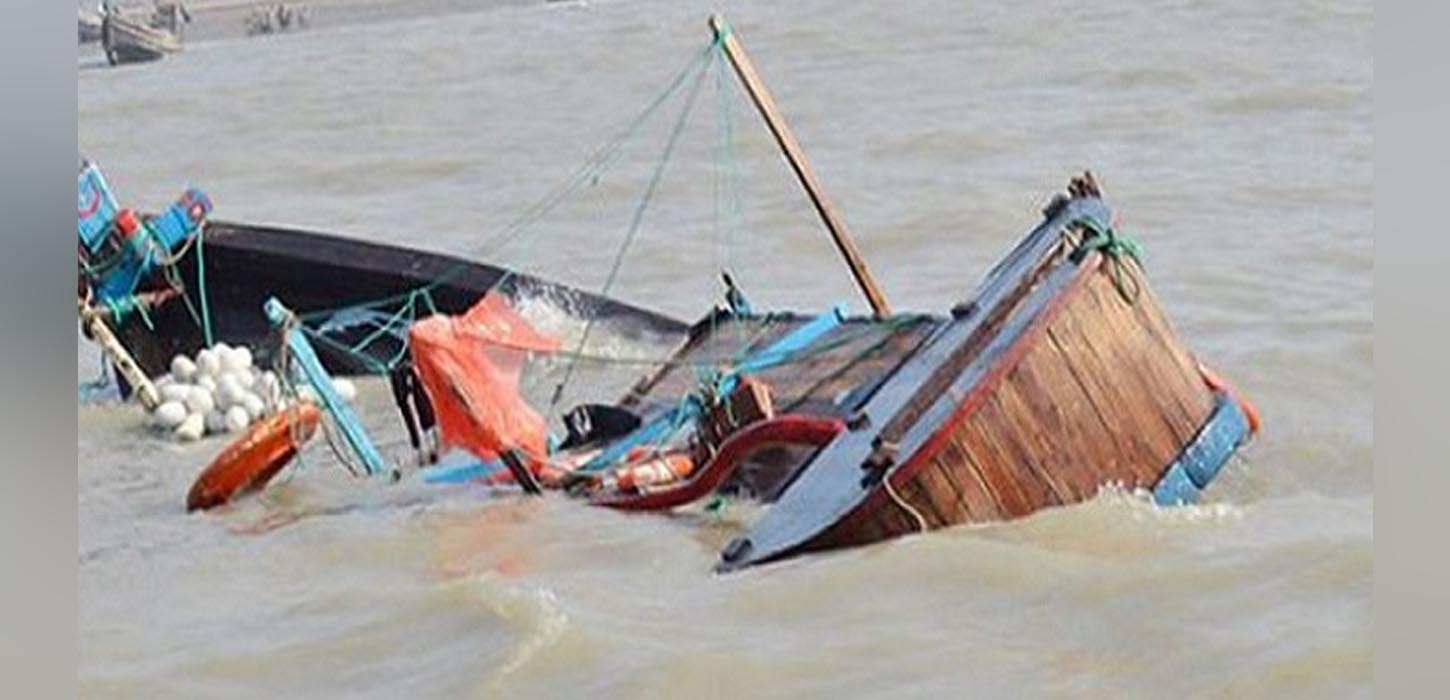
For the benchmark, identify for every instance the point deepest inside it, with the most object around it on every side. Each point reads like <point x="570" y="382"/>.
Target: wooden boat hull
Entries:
<point x="309" y="271"/>
<point x="88" y="27"/>
<point x="1049" y="385"/>
<point x="128" y="41"/>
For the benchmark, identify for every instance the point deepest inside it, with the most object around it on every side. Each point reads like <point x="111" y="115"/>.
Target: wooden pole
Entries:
<point x="765" y="103"/>
<point x="96" y="327"/>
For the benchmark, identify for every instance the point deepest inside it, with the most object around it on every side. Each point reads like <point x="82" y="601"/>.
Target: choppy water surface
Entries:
<point x="1233" y="139"/>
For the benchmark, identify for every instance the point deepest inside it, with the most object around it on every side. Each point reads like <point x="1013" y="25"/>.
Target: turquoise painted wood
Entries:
<point x="307" y="363"/>
<point x="458" y="468"/>
<point x="1226" y="428"/>
<point x="690" y="410"/>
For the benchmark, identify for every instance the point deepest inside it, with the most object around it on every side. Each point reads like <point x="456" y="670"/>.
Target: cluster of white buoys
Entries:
<point x="220" y="391"/>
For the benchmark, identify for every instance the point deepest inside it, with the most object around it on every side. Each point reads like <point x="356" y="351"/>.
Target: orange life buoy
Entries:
<point x="251" y="460"/>
<point x="1217" y="383"/>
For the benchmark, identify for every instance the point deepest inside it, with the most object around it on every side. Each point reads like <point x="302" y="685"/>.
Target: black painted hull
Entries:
<point x="311" y="271"/>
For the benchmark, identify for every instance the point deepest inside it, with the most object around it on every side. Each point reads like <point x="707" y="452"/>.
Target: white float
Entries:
<point x="237" y="419"/>
<point x="220" y="391"/>
<point x="345" y="389"/>
<point x="182" y="368"/>
<point x="215" y="422"/>
<point x="200" y="400"/>
<point x="170" y="414"/>
<point x="256" y="408"/>
<point x="191" y="428"/>
<point x="175" y="392"/>
<point x="207" y="363"/>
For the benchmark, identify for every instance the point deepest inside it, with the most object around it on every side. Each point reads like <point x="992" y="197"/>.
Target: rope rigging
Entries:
<point x="394" y="314"/>
<point x="634" y="225"/>
<point x="387" y="320"/>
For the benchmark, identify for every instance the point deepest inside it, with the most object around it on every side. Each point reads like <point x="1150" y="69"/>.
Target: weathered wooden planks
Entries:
<point x="1101" y="392"/>
<point x="847" y="357"/>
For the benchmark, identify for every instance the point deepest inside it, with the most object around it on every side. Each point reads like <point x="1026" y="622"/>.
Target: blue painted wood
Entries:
<point x="651" y="432"/>
<point x="459" y="467"/>
<point x="95" y="205"/>
<point x="1226" y="428"/>
<point x="688" y="411"/>
<point x="830" y="487"/>
<point x="301" y="352"/>
<point x="1175" y="488"/>
<point x="793" y="342"/>
<point x="157" y="237"/>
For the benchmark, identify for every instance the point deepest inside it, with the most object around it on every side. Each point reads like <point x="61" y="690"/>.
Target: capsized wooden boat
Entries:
<point x="1058" y="376"/>
<point x="244" y="265"/>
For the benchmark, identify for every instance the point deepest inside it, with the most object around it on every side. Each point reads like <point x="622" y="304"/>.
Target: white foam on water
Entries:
<point x="535" y="614"/>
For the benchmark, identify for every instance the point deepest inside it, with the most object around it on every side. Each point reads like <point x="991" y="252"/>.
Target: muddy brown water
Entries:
<point x="1232" y="138"/>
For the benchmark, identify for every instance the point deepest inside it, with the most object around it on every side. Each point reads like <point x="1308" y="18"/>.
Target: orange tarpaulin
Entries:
<point x="470" y="367"/>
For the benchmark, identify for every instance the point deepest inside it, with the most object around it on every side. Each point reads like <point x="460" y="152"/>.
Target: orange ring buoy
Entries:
<point x="1217" y="383"/>
<point x="251" y="460"/>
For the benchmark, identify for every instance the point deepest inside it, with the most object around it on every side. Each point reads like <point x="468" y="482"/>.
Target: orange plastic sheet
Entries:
<point x="470" y="366"/>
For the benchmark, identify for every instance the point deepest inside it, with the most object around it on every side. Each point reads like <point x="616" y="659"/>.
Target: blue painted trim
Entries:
<point x="793" y="342"/>
<point x="96" y="206"/>
<point x="655" y="430"/>
<point x="1201" y="461"/>
<point x="1175" y="488"/>
<point x="459" y="468"/>
<point x="778" y="352"/>
<point x="347" y="421"/>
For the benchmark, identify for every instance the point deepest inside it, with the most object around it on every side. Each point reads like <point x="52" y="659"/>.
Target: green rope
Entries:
<point x="705" y="368"/>
<point x="383" y="328"/>
<point x="600" y="161"/>
<point x="636" y="221"/>
<point x="406" y="315"/>
<point x="716" y="505"/>
<point x="1116" y="247"/>
<point x="121" y="308"/>
<point x="729" y="213"/>
<point x="321" y="338"/>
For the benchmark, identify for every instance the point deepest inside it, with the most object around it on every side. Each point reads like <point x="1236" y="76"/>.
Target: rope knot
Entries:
<point x="1115" y="247"/>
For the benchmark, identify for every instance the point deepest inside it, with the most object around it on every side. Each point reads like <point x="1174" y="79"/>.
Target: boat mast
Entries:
<point x="765" y="103"/>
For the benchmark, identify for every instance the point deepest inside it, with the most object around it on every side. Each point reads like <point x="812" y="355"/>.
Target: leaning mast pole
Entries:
<point x="765" y="104"/>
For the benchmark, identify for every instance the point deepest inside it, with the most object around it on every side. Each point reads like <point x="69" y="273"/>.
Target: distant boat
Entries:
<point x="169" y="16"/>
<point x="127" y="40"/>
<point x="276" y="19"/>
<point x="89" y="24"/>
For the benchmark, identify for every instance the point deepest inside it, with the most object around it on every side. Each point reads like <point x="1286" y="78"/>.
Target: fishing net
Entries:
<point x="470" y="367"/>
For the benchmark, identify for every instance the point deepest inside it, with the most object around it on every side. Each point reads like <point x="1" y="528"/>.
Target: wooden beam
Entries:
<point x="765" y="103"/>
<point x="97" y="329"/>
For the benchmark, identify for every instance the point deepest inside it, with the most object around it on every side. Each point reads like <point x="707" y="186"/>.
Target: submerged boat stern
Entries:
<point x="1060" y="376"/>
